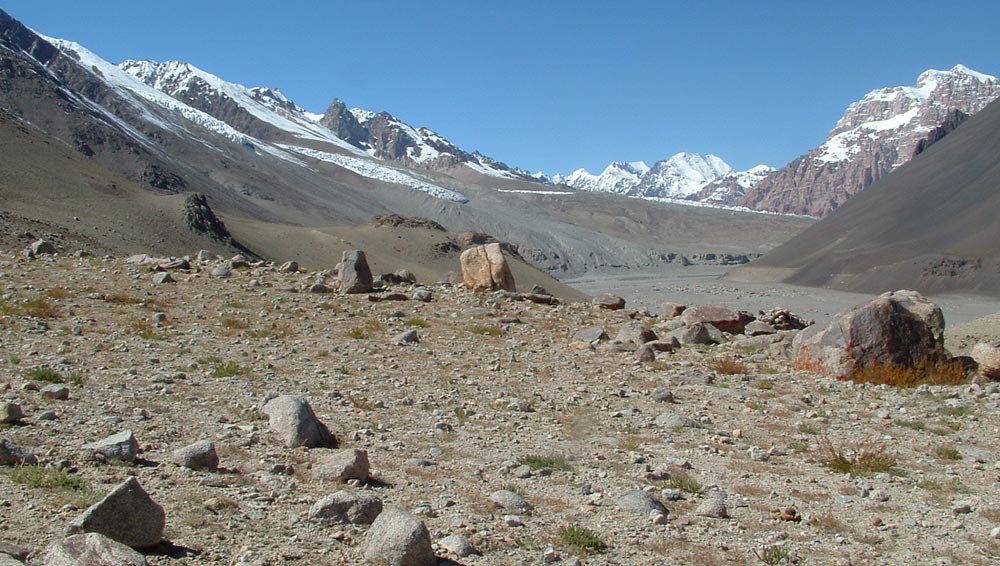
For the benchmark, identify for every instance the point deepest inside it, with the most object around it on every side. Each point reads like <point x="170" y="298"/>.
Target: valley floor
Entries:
<point x="495" y="396"/>
<point x="704" y="284"/>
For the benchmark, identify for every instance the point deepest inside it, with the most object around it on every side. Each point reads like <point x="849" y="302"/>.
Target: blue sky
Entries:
<point x="557" y="85"/>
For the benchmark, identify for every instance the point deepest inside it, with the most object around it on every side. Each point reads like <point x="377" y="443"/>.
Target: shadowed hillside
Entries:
<point x="931" y="225"/>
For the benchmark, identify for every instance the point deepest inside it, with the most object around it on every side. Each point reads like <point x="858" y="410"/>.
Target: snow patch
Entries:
<point x="379" y="172"/>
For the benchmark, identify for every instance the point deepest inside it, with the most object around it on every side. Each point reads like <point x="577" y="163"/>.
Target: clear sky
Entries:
<point x="556" y="85"/>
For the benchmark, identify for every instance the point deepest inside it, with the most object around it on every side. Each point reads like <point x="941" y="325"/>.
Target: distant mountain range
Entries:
<point x="876" y="134"/>
<point x="111" y="155"/>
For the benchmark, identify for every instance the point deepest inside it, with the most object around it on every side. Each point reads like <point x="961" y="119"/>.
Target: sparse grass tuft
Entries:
<point x="49" y="375"/>
<point x="762" y="384"/>
<point x="728" y="365"/>
<point x="358" y="333"/>
<point x="486" y="330"/>
<point x="40" y="308"/>
<point x="581" y="539"/>
<point x="957" y="411"/>
<point x="901" y="376"/>
<point x="57" y="293"/>
<point x="539" y="462"/>
<point x="70" y="487"/>
<point x="947" y="453"/>
<point x="862" y="460"/>
<point x="234" y="325"/>
<point x="809" y="428"/>
<point x="228" y="369"/>
<point x="416" y="322"/>
<point x="684" y="482"/>
<point x="913" y="425"/>
<point x="44" y="373"/>
<point x="772" y="554"/>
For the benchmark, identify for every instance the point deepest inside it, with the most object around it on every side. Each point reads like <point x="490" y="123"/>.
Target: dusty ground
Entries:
<point x="492" y="382"/>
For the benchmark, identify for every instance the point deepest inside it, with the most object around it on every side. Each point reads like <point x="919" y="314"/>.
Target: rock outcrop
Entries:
<point x="900" y="328"/>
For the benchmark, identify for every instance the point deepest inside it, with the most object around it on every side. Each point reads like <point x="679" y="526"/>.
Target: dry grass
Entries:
<point x="902" y="376"/>
<point x="485" y="330"/>
<point x="39" y="307"/>
<point x="727" y="365"/>
<point x="858" y="459"/>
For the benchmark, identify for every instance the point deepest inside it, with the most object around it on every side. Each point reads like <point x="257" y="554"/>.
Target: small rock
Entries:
<point x="399" y="538"/>
<point x="675" y="421"/>
<point x="291" y="417"/>
<point x="11" y="455"/>
<point x="590" y="335"/>
<point x="641" y="503"/>
<point x="663" y="396"/>
<point x="121" y="447"/>
<point x="55" y="391"/>
<point x="289" y="267"/>
<point x="127" y="515"/>
<point x="91" y="549"/>
<point x="513" y="521"/>
<point x="41" y="247"/>
<point x="458" y="545"/>
<point x="405" y="338"/>
<point x="320" y="288"/>
<point x="507" y="499"/>
<point x="346" y="508"/>
<point x="161" y="277"/>
<point x="671" y="310"/>
<point x="713" y="506"/>
<point x="221" y="271"/>
<point x="10" y="412"/>
<point x="198" y="456"/>
<point x="422" y="294"/>
<point x="342" y="465"/>
<point x="609" y="302"/>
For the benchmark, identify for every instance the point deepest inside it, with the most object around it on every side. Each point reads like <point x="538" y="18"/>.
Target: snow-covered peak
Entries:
<point x="902" y="115"/>
<point x="682" y="175"/>
<point x="618" y="177"/>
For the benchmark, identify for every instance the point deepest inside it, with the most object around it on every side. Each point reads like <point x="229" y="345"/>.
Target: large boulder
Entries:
<point x="293" y="420"/>
<point x="127" y="515"/>
<point x="399" y="538"/>
<point x="355" y="275"/>
<point x="900" y="328"/>
<point x="484" y="268"/>
<point x="726" y="319"/>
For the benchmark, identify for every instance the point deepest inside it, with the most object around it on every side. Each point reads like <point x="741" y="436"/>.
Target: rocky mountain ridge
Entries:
<point x="267" y="114"/>
<point x="875" y="135"/>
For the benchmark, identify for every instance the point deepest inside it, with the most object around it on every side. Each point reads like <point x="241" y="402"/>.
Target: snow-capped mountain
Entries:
<point x="618" y="177"/>
<point x="267" y="114"/>
<point x="876" y="134"/>
<point x="682" y="176"/>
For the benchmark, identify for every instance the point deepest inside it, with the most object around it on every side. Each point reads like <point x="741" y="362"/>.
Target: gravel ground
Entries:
<point x="495" y="396"/>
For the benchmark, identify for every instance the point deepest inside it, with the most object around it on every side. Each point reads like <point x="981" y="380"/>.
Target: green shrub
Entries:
<point x="581" y="539"/>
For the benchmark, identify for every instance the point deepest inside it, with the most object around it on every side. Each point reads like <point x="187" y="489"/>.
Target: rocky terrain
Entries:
<point x="515" y="432"/>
